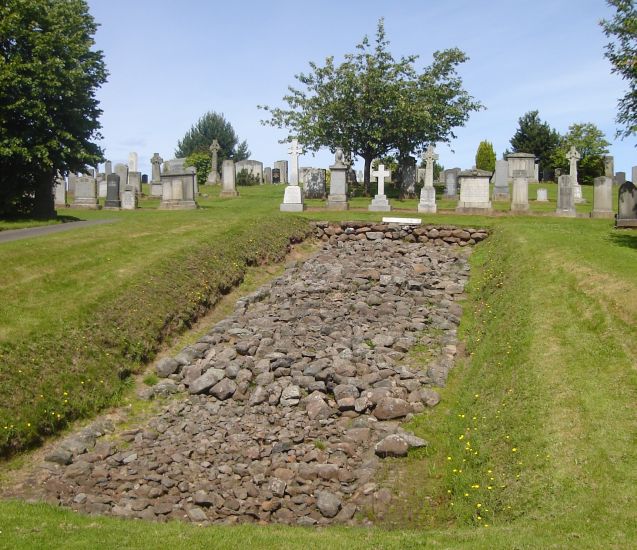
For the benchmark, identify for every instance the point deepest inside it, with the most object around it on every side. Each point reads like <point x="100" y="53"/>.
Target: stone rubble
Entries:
<point x="282" y="412"/>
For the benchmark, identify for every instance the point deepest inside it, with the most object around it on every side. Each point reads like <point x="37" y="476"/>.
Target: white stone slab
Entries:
<point x="404" y="221"/>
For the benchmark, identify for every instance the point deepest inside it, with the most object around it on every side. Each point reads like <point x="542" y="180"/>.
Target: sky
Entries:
<point x="170" y="62"/>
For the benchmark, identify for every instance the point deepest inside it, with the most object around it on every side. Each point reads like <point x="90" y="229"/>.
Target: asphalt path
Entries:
<point x="30" y="232"/>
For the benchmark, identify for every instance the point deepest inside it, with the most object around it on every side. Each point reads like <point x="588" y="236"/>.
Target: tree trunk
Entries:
<point x="44" y="203"/>
<point x="366" y="177"/>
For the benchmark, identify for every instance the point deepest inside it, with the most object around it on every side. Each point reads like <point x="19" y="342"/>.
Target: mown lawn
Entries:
<point x="534" y="444"/>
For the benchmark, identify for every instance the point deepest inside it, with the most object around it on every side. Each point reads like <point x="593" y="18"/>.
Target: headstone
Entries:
<point x="145" y="179"/>
<point x="474" y="192"/>
<point x="101" y="189"/>
<point x="603" y="198"/>
<point x="542" y="195"/>
<point x="620" y="178"/>
<point x="155" y="175"/>
<point x="267" y="174"/>
<point x="451" y="184"/>
<point x="179" y="184"/>
<point x="609" y="166"/>
<point x="292" y="199"/>
<point x="295" y="152"/>
<point x="337" y="199"/>
<point x="408" y="172"/>
<point x="175" y="166"/>
<point x="113" y="201"/>
<point x="129" y="198"/>
<point x="520" y="198"/>
<point x="135" y="181"/>
<point x="420" y="176"/>
<point x="108" y="168"/>
<point x="213" y="175"/>
<point x="565" y="197"/>
<point x="634" y="175"/>
<point x="501" y="186"/>
<point x="85" y="193"/>
<point x="72" y="182"/>
<point x="627" y="211"/>
<point x="380" y="202"/>
<point x="60" y="190"/>
<point x="302" y="171"/>
<point x="573" y="156"/>
<point x="229" y="187"/>
<point x="522" y="161"/>
<point x="251" y="167"/>
<point x="282" y="167"/>
<point x="122" y="171"/>
<point x="314" y="183"/>
<point x="132" y="162"/>
<point x="537" y="173"/>
<point x="276" y="175"/>
<point x="428" y="192"/>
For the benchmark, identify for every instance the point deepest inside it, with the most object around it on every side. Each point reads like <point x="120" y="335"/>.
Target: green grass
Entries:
<point x="549" y="370"/>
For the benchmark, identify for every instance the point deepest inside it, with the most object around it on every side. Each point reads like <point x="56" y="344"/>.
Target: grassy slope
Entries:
<point x="551" y="340"/>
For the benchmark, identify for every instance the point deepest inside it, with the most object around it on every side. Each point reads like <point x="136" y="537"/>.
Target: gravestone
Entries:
<point x="380" y="202"/>
<point x="501" y="186"/>
<point x="573" y="156"/>
<point x="229" y="186"/>
<point x="213" y="175"/>
<point x="145" y="179"/>
<point x="135" y="181"/>
<point x="314" y="183"/>
<point x="108" y="169"/>
<point x="85" y="193"/>
<point x="542" y="195"/>
<point x="303" y="170"/>
<point x="267" y="174"/>
<point x="133" y="162"/>
<point x="113" y="201"/>
<point x="251" y="167"/>
<point x="603" y="198"/>
<point x="129" y="198"/>
<point x="178" y="190"/>
<point x="427" y="203"/>
<point x="122" y="171"/>
<point x="282" y="167"/>
<point x="101" y="188"/>
<point x="565" y="197"/>
<point x="276" y="175"/>
<point x="609" y="166"/>
<point x="420" y="176"/>
<point x="520" y="195"/>
<point x="72" y="182"/>
<point x="408" y="173"/>
<point x="293" y="196"/>
<point x="451" y="184"/>
<point x="620" y="178"/>
<point x="627" y="207"/>
<point x="60" y="190"/>
<point x="474" y="192"/>
<point x="337" y="199"/>
<point x="155" y="175"/>
<point x="521" y="161"/>
<point x="295" y="152"/>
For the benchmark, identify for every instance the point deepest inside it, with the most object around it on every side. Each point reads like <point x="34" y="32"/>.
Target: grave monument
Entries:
<point x="520" y="199"/>
<point x="293" y="197"/>
<point x="565" y="197"/>
<point x="501" y="177"/>
<point x="603" y="198"/>
<point x="427" y="202"/>
<point x="380" y="202"/>
<point x="573" y="156"/>
<point x="627" y="207"/>
<point x="337" y="199"/>
<point x="213" y="175"/>
<point x="155" y="179"/>
<point x="113" y="201"/>
<point x="229" y="184"/>
<point x="474" y="192"/>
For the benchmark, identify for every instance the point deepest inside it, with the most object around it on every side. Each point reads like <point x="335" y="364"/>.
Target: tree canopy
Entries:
<point x="372" y="104"/>
<point x="198" y="139"/>
<point x="485" y="156"/>
<point x="537" y="137"/>
<point x="622" y="53"/>
<point x="49" y="115"/>
<point x="590" y="143"/>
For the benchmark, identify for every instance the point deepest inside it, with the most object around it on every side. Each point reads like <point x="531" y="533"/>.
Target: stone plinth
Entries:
<point x="427" y="203"/>
<point x="603" y="198"/>
<point x="85" y="193"/>
<point x="542" y="195"/>
<point x="178" y="191"/>
<point x="501" y="181"/>
<point x="229" y="187"/>
<point x="292" y="199"/>
<point x="565" y="198"/>
<point x="129" y="198"/>
<point x="520" y="199"/>
<point x="379" y="204"/>
<point x="474" y="192"/>
<point x="113" y="201"/>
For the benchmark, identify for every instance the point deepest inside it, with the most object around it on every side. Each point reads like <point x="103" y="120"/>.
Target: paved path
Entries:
<point x="17" y="234"/>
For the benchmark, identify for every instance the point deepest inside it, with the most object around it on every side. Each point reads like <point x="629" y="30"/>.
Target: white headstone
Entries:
<point x="132" y="162"/>
<point x="229" y="188"/>
<point x="542" y="195"/>
<point x="380" y="202"/>
<point x="520" y="198"/>
<point x="474" y="191"/>
<point x="603" y="198"/>
<point x="294" y="151"/>
<point x="428" y="192"/>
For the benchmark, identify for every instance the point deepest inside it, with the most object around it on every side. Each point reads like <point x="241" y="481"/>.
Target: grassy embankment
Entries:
<point x="534" y="443"/>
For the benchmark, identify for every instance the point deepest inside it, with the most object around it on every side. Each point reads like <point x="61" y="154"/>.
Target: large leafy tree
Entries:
<point x="371" y="104"/>
<point x="537" y="137"/>
<point x="485" y="156"/>
<point x="200" y="136"/>
<point x="49" y="74"/>
<point x="622" y="53"/>
<point x="590" y="143"/>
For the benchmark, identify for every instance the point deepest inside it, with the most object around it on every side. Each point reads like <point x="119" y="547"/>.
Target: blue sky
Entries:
<point x="170" y="62"/>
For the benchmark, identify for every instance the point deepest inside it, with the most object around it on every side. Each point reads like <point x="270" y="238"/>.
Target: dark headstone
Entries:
<point x="144" y="178"/>
<point x="627" y="213"/>
<point x="112" y="192"/>
<point x="314" y="183"/>
<point x="276" y="175"/>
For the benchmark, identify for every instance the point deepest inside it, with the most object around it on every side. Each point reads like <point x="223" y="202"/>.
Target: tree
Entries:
<point x="623" y="56"/>
<point x="200" y="136"/>
<point x="590" y="143"/>
<point x="372" y="103"/>
<point x="537" y="137"/>
<point x="485" y="156"/>
<point x="49" y="75"/>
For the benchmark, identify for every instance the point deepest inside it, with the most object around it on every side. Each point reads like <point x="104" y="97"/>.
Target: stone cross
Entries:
<point x="429" y="156"/>
<point x="156" y="161"/>
<point x="573" y="156"/>
<point x="295" y="151"/>
<point x="214" y="149"/>
<point x="380" y="176"/>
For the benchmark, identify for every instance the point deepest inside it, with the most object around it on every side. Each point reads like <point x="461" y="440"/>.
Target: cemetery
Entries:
<point x="358" y="348"/>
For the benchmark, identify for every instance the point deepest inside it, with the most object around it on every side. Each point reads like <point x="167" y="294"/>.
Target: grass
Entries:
<point x="537" y="425"/>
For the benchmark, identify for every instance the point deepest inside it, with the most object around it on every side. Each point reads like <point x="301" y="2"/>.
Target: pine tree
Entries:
<point x="485" y="156"/>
